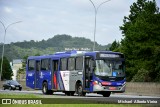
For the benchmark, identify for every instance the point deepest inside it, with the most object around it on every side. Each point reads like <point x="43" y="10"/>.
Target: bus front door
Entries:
<point x="37" y="71"/>
<point x="87" y="73"/>
<point x="54" y="74"/>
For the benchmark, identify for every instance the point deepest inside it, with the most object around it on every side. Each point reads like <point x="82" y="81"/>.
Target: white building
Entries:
<point x="15" y="65"/>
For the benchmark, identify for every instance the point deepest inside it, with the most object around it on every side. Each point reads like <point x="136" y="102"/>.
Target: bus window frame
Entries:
<point x="68" y="68"/>
<point x="29" y="64"/>
<point x="82" y="66"/>
<point x="65" y="64"/>
<point x="48" y="66"/>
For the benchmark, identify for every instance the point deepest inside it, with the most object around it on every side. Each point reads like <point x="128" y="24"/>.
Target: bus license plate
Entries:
<point x="112" y="88"/>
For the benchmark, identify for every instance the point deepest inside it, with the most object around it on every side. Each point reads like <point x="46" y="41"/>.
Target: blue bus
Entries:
<point x="79" y="72"/>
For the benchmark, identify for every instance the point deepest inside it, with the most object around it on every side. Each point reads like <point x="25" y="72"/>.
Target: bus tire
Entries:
<point x="106" y="94"/>
<point x="45" y="88"/>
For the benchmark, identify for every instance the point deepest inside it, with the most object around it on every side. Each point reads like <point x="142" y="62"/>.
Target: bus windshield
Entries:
<point x="109" y="68"/>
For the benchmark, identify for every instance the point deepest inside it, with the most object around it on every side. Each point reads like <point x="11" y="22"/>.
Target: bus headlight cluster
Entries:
<point x="97" y="83"/>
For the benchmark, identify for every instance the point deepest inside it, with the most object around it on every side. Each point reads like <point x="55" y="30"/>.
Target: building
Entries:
<point x="16" y="64"/>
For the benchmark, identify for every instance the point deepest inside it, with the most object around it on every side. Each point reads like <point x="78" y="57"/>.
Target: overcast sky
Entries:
<point x="42" y="19"/>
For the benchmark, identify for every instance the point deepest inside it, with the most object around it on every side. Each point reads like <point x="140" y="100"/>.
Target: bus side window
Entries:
<point x="31" y="65"/>
<point x="63" y="64"/>
<point x="45" y="64"/>
<point x="71" y="64"/>
<point x="79" y="63"/>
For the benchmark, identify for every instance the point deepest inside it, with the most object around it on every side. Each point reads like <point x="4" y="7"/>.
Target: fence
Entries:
<point x="143" y="88"/>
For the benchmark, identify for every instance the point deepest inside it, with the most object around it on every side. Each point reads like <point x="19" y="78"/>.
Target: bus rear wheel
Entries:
<point x="45" y="89"/>
<point x="106" y="94"/>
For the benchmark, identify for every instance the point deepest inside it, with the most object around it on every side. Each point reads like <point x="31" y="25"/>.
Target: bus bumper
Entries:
<point x="118" y="89"/>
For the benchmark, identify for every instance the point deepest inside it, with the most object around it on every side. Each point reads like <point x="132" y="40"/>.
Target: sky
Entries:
<point x="42" y="19"/>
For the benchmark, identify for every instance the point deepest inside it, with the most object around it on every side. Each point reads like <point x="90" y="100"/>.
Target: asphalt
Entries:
<point x="62" y="95"/>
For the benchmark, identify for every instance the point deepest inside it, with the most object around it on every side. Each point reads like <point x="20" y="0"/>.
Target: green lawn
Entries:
<point x="75" y="105"/>
<point x="18" y="96"/>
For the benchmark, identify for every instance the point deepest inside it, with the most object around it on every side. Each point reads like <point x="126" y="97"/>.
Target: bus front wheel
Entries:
<point x="80" y="90"/>
<point x="106" y="94"/>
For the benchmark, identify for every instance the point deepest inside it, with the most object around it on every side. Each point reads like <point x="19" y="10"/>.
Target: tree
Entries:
<point x="6" y="71"/>
<point x="141" y="39"/>
<point x="115" y="45"/>
<point x="24" y="62"/>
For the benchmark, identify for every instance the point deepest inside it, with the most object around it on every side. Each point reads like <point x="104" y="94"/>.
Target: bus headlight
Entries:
<point x="97" y="83"/>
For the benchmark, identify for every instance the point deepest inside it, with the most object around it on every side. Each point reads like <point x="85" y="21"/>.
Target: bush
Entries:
<point x="141" y="76"/>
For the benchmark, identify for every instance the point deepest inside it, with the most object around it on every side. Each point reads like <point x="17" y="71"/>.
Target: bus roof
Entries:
<point x="71" y="53"/>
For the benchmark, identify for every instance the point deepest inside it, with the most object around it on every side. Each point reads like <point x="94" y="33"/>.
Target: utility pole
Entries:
<point x="96" y="11"/>
<point x="5" y="32"/>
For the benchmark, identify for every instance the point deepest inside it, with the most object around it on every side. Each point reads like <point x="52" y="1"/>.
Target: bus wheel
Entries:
<point x="106" y="94"/>
<point x="80" y="91"/>
<point x="45" y="88"/>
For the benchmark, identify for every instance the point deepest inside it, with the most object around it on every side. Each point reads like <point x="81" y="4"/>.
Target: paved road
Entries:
<point x="62" y="95"/>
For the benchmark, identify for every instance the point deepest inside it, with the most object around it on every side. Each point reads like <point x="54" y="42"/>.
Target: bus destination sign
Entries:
<point x="109" y="56"/>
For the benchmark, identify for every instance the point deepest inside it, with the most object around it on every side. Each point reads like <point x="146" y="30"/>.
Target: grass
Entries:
<point x="74" y="105"/>
<point x="60" y="105"/>
<point x="18" y="96"/>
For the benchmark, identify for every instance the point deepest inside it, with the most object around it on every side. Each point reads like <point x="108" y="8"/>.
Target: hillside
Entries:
<point x="57" y="43"/>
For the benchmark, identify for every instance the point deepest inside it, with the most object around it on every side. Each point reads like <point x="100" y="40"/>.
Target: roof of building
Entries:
<point x="17" y="61"/>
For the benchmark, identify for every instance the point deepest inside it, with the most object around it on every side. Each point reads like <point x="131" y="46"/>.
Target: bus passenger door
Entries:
<point x="87" y="72"/>
<point x="30" y="74"/>
<point x="37" y="71"/>
<point x="54" y="74"/>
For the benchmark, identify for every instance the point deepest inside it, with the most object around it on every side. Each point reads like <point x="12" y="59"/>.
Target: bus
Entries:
<point x="77" y="72"/>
